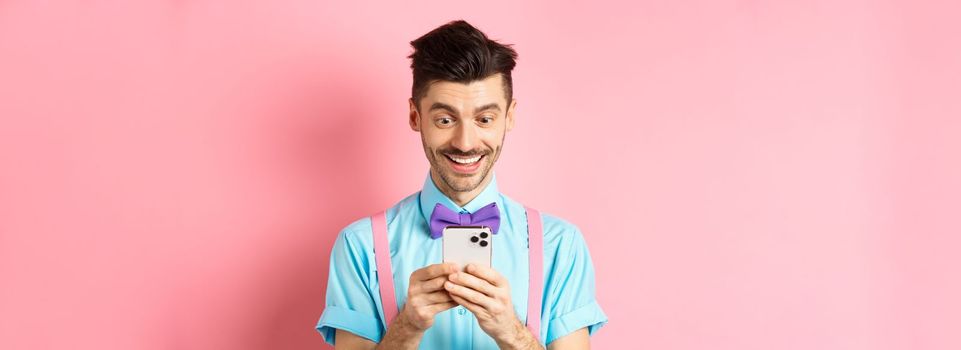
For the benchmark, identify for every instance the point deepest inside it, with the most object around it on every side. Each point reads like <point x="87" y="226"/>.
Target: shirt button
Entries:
<point x="461" y="310"/>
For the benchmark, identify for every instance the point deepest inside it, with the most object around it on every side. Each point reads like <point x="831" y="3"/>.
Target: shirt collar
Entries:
<point x="430" y="195"/>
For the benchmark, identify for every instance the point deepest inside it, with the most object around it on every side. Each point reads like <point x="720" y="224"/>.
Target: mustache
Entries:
<point x="458" y="153"/>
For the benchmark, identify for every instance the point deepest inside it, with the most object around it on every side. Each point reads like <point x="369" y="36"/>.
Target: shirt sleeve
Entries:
<point x="569" y="290"/>
<point x="351" y="303"/>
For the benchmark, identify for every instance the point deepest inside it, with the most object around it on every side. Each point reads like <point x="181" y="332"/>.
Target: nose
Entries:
<point x="465" y="137"/>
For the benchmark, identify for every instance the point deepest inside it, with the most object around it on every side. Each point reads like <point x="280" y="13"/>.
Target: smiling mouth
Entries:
<point x="464" y="160"/>
<point x="465" y="165"/>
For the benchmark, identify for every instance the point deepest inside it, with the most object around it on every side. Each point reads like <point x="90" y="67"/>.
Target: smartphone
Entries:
<point x="468" y="245"/>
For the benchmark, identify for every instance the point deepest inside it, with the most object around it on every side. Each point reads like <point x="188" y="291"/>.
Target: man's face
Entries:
<point x="462" y="127"/>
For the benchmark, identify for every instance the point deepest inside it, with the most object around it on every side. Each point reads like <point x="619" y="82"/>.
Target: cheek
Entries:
<point x="493" y="138"/>
<point x="434" y="138"/>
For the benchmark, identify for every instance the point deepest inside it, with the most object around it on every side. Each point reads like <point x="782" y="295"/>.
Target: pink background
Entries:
<point x="786" y="176"/>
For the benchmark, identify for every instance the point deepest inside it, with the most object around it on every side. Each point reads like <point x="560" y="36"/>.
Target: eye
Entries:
<point x="445" y="121"/>
<point x="486" y="120"/>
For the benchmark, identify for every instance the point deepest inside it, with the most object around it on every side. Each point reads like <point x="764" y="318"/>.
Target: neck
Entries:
<point x="460" y="198"/>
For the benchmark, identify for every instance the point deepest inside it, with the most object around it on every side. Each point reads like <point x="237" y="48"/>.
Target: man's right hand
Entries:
<point x="426" y="296"/>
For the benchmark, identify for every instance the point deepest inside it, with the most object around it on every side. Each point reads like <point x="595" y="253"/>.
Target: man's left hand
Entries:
<point x="487" y="295"/>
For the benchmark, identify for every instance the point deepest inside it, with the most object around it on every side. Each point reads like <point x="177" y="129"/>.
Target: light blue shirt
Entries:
<point x="353" y="294"/>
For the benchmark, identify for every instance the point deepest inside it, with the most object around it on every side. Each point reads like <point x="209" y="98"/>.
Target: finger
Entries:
<point x="428" y="286"/>
<point x="432" y="271"/>
<point x="474" y="308"/>
<point x="429" y="272"/>
<point x="437" y="297"/>
<point x="472" y="282"/>
<point x="436" y="308"/>
<point x="430" y="298"/>
<point x="470" y="295"/>
<point x="486" y="273"/>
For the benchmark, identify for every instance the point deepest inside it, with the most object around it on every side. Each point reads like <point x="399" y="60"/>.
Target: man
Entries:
<point x="462" y="104"/>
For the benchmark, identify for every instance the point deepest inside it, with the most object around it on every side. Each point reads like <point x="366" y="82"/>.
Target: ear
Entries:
<point x="414" y="115"/>
<point x="510" y="114"/>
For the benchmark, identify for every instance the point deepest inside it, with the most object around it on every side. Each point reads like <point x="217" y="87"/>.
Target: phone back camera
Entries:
<point x="483" y="234"/>
<point x="474" y="239"/>
<point x="483" y="243"/>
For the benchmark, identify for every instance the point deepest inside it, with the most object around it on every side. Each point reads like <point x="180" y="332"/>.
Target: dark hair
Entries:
<point x="458" y="52"/>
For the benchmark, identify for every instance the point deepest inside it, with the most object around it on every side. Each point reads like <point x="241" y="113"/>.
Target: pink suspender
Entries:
<point x="535" y="289"/>
<point x="384" y="271"/>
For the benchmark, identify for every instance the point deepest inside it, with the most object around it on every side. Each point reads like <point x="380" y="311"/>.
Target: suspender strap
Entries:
<point x="535" y="237"/>
<point x="385" y="273"/>
<point x="535" y="243"/>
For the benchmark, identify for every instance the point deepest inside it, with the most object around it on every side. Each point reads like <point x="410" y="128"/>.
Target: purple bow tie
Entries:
<point x="442" y="217"/>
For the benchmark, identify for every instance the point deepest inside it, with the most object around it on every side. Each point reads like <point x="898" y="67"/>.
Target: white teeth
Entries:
<point x="465" y="160"/>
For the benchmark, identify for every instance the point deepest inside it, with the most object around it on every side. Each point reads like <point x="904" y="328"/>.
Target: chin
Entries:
<point x="462" y="183"/>
<point x="465" y="184"/>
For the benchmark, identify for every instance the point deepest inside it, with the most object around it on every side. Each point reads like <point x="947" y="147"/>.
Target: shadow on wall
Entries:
<point x="321" y="134"/>
<point x="332" y="146"/>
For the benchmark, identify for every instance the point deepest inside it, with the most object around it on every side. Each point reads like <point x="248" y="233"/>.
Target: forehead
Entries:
<point x="466" y="96"/>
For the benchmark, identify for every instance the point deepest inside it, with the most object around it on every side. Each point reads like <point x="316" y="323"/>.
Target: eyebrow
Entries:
<point x="454" y="111"/>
